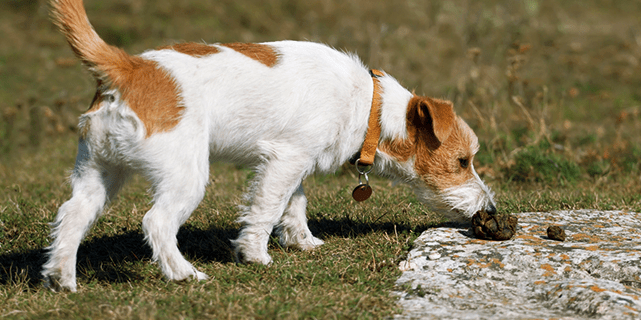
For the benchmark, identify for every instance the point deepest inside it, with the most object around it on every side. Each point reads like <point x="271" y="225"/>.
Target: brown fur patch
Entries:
<point x="193" y="49"/>
<point x="151" y="93"/>
<point x="436" y="161"/>
<point x="440" y="168"/>
<point x="97" y="100"/>
<point x="262" y="53"/>
<point x="432" y="116"/>
<point x="148" y="90"/>
<point x="401" y="150"/>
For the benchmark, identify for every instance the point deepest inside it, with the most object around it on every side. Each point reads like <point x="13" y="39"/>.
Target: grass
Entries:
<point x="553" y="91"/>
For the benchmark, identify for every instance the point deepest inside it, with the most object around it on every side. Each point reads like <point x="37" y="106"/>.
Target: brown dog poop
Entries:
<point x="494" y="227"/>
<point x="556" y="233"/>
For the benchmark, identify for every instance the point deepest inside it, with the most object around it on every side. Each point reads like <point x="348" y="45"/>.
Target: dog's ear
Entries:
<point x="433" y="117"/>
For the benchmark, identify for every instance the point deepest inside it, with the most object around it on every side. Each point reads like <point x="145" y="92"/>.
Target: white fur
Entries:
<point x="306" y="114"/>
<point x="458" y="203"/>
<point x="395" y="99"/>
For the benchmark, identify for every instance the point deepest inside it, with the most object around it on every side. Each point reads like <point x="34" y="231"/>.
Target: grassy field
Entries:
<point x="553" y="90"/>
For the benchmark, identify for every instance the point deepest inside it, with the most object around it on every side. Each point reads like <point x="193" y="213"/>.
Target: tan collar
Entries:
<point x="368" y="152"/>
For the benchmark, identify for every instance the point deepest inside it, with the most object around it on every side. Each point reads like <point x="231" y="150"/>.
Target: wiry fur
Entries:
<point x="287" y="108"/>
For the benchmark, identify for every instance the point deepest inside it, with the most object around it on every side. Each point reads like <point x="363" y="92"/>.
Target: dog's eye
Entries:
<point x="465" y="162"/>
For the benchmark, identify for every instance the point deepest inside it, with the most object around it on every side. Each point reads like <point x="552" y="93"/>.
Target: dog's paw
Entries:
<point x="195" y="275"/>
<point x="54" y="284"/>
<point x="309" y="243"/>
<point x="303" y="240"/>
<point x="201" y="276"/>
<point x="244" y="258"/>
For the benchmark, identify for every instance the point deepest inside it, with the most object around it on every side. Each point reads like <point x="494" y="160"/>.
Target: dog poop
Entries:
<point x="556" y="233"/>
<point x="494" y="227"/>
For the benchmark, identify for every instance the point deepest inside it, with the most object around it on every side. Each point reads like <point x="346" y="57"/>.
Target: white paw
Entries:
<point x="257" y="257"/>
<point x="201" y="276"/>
<point x="193" y="274"/>
<point x="311" y="243"/>
<point x="54" y="284"/>
<point x="303" y="242"/>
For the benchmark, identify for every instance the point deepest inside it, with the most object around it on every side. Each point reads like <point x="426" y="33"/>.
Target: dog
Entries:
<point x="287" y="109"/>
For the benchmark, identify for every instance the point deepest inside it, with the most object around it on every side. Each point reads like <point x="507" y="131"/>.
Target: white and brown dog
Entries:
<point x="287" y="108"/>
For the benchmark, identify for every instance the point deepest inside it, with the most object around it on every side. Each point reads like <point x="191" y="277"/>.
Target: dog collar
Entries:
<point x="366" y="156"/>
<point x="368" y="151"/>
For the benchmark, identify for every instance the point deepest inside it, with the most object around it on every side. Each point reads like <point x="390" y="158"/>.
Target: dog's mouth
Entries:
<point x="458" y="203"/>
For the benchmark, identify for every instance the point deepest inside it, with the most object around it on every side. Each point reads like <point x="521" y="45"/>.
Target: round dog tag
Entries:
<point x="362" y="192"/>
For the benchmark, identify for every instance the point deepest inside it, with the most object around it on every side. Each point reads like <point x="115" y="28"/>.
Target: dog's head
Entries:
<point x="436" y="159"/>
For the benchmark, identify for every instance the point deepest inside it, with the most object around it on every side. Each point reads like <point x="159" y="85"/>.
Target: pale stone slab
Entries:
<point x="595" y="273"/>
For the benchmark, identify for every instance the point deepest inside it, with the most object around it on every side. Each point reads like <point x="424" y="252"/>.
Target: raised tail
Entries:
<point x="101" y="59"/>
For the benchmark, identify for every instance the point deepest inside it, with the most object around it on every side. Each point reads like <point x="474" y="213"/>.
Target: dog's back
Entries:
<point x="248" y="105"/>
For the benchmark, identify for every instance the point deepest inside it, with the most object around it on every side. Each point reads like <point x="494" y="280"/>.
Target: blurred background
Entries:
<point x="552" y="88"/>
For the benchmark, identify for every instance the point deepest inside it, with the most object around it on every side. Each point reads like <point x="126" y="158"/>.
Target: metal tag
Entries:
<point x="362" y="192"/>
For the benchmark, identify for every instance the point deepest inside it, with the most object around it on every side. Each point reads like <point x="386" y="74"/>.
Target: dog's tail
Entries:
<point x="104" y="61"/>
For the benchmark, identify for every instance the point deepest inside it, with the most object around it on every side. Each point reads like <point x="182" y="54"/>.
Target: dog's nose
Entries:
<point x="491" y="209"/>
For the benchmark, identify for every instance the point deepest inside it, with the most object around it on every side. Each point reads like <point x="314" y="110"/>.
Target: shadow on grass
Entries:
<point x="108" y="258"/>
<point x="347" y="227"/>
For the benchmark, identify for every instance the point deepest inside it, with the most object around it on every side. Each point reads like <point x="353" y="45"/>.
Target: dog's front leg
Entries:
<point x="292" y="228"/>
<point x="277" y="180"/>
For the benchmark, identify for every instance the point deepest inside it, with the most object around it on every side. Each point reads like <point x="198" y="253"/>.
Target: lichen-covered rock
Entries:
<point x="595" y="273"/>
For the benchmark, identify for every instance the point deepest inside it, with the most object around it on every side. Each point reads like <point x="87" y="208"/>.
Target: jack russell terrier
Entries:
<point x="287" y="109"/>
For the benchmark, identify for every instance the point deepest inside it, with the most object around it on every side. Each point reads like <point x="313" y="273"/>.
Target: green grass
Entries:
<point x="552" y="89"/>
<point x="539" y="163"/>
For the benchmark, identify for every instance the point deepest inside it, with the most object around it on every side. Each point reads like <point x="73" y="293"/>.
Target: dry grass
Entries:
<point x="553" y="90"/>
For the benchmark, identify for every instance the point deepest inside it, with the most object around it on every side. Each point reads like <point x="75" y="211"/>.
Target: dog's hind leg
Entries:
<point x="94" y="185"/>
<point x="177" y="192"/>
<point x="292" y="228"/>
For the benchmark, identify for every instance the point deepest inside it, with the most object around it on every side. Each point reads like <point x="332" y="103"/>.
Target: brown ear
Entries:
<point x="434" y="115"/>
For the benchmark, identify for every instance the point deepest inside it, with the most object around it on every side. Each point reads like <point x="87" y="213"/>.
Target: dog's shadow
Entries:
<point x="108" y="258"/>
<point x="347" y="227"/>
